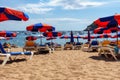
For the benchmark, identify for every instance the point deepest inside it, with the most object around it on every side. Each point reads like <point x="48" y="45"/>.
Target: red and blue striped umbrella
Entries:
<point x="52" y="34"/>
<point x="110" y="21"/>
<point x="65" y="37"/>
<point x="40" y="27"/>
<point x="11" y="14"/>
<point x="50" y="38"/>
<point x="7" y="34"/>
<point x="31" y="38"/>
<point x="102" y="30"/>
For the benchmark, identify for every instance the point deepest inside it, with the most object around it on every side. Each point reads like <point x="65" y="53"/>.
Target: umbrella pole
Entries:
<point x="117" y="37"/>
<point x="40" y="39"/>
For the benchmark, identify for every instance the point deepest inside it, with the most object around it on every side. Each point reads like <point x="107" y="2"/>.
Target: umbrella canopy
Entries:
<point x="91" y="37"/>
<point x="116" y="36"/>
<point x="50" y="38"/>
<point x="52" y="34"/>
<point x="105" y="35"/>
<point x="11" y="14"/>
<point x="110" y="21"/>
<point x="102" y="30"/>
<point x="31" y="38"/>
<point x="7" y="34"/>
<point x="40" y="27"/>
<point x="65" y="37"/>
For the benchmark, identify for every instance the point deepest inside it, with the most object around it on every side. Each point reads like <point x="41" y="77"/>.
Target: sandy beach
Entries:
<point x="61" y="65"/>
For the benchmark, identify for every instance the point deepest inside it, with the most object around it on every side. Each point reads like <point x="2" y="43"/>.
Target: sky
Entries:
<point x="64" y="15"/>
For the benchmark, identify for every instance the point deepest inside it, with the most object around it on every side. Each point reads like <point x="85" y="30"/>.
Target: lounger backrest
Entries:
<point x="105" y="42"/>
<point x="94" y="43"/>
<point x="2" y="49"/>
<point x="30" y="43"/>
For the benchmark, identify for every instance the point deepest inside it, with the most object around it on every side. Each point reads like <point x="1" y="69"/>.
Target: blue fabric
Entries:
<point x="13" y="53"/>
<point x="94" y="43"/>
<point x="106" y="18"/>
<point x="27" y="53"/>
<point x="2" y="49"/>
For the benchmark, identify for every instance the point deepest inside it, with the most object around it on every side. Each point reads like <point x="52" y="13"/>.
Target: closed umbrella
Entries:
<point x="71" y="38"/>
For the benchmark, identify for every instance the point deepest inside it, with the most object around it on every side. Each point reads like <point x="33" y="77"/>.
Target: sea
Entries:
<point x="20" y="39"/>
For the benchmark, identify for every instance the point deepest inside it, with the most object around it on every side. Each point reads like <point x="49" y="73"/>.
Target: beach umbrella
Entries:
<point x="105" y="35"/>
<point x="7" y="34"/>
<point x="50" y="38"/>
<point x="31" y="38"/>
<point x="11" y="14"/>
<point x="102" y="30"/>
<point x="52" y="34"/>
<point x="40" y="27"/>
<point x="89" y="37"/>
<point x="65" y="37"/>
<point x="116" y="35"/>
<point x="110" y="21"/>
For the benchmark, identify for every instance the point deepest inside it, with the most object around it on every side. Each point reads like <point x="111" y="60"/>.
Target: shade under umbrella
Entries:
<point x="11" y="14"/>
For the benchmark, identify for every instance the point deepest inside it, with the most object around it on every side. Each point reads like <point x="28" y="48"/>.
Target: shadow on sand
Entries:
<point x="11" y="61"/>
<point x="102" y="57"/>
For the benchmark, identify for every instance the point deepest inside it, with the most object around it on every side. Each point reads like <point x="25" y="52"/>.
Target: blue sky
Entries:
<point x="65" y="15"/>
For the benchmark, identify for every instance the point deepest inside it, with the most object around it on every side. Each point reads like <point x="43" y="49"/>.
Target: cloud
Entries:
<point x="44" y="7"/>
<point x="74" y="4"/>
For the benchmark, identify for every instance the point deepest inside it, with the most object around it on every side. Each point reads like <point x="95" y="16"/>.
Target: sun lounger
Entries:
<point x="43" y="49"/>
<point x="58" y="47"/>
<point x="94" y="45"/>
<point x="85" y="47"/>
<point x="30" y="46"/>
<point x="77" y="46"/>
<point x="8" y="55"/>
<point x="68" y="46"/>
<point x="108" y="50"/>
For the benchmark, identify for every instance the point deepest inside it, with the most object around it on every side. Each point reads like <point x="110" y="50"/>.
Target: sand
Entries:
<point x="61" y="65"/>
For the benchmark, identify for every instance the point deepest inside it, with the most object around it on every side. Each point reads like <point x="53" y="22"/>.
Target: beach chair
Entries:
<point x="68" y="46"/>
<point x="77" y="45"/>
<point x="86" y="47"/>
<point x="9" y="54"/>
<point x="30" y="46"/>
<point x="94" y="45"/>
<point x="43" y="49"/>
<point x="109" y="50"/>
<point x="58" y="47"/>
<point x="105" y="42"/>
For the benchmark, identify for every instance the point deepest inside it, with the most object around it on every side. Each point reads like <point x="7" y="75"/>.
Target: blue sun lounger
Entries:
<point x="9" y="54"/>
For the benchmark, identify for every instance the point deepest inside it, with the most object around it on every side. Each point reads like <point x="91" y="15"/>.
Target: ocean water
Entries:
<point x="21" y="38"/>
